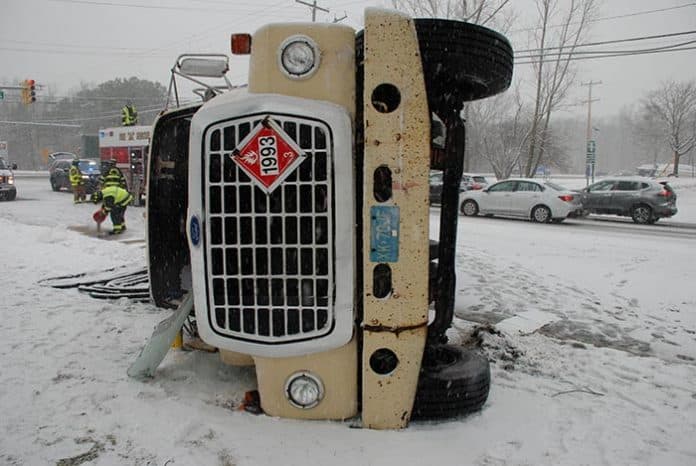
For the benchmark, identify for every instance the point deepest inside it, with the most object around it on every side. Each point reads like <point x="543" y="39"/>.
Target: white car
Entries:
<point x="537" y="200"/>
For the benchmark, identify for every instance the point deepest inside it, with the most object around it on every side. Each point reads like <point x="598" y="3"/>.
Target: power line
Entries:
<point x="602" y="52"/>
<point x="573" y="58"/>
<point x="606" y="42"/>
<point x="607" y="18"/>
<point x="148" y="7"/>
<point x="34" y="123"/>
<point x="149" y="109"/>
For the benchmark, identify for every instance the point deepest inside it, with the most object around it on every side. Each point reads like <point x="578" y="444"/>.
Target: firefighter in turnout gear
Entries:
<point x="77" y="183"/>
<point x="129" y="115"/>
<point x="112" y="176"/>
<point x="114" y="201"/>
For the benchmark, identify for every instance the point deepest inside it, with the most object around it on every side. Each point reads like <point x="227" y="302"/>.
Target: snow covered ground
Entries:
<point x="590" y="327"/>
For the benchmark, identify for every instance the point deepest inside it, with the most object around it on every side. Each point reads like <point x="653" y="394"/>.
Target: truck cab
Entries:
<point x="296" y="211"/>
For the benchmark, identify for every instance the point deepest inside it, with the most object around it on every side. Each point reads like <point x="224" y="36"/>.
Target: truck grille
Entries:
<point x="269" y="256"/>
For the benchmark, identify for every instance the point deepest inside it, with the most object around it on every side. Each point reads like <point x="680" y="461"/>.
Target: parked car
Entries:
<point x="435" y="181"/>
<point x="539" y="201"/>
<point x="8" y="190"/>
<point x="470" y="182"/>
<point x="59" y="174"/>
<point x="644" y="200"/>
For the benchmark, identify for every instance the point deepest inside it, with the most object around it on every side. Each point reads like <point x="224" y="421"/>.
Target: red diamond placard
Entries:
<point x="267" y="155"/>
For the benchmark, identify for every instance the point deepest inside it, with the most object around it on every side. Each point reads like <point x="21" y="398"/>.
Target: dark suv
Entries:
<point x="642" y="199"/>
<point x="59" y="174"/>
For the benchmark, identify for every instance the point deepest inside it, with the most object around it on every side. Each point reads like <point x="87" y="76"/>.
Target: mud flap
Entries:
<point x="156" y="348"/>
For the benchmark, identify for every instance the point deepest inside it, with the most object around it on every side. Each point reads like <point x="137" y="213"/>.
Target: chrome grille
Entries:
<point x="269" y="257"/>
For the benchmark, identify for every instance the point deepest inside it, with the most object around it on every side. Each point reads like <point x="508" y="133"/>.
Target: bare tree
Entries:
<point x="501" y="130"/>
<point x="556" y="45"/>
<point x="672" y="108"/>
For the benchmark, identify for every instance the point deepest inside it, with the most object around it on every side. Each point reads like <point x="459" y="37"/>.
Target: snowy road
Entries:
<point x="590" y="327"/>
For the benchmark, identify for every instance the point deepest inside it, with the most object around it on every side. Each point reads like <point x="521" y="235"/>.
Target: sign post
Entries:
<point x="590" y="160"/>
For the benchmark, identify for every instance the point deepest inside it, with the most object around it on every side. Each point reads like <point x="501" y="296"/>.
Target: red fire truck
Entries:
<point x="128" y="147"/>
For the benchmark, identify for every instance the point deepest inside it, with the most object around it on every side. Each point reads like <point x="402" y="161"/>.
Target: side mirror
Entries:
<point x="14" y="166"/>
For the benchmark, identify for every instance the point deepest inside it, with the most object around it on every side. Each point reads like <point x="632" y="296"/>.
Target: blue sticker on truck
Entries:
<point x="384" y="237"/>
<point x="195" y="231"/>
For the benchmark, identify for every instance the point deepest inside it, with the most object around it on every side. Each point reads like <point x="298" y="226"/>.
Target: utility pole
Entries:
<point x="314" y="8"/>
<point x="590" y="158"/>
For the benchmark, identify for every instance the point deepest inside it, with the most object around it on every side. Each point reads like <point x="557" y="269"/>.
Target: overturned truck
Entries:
<point x="296" y="211"/>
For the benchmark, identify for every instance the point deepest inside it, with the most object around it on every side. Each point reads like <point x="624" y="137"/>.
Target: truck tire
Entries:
<point x="474" y="60"/>
<point x="453" y="381"/>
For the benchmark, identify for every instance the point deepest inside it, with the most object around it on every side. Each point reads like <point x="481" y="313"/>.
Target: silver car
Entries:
<point x="538" y="200"/>
<point x="644" y="200"/>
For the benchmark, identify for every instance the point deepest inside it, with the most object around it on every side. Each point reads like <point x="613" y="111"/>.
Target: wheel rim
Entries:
<point x="641" y="215"/>
<point x="541" y="214"/>
<point x="469" y="208"/>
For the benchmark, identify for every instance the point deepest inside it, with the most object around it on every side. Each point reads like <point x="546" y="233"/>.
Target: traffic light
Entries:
<point x="28" y="91"/>
<point x="32" y="91"/>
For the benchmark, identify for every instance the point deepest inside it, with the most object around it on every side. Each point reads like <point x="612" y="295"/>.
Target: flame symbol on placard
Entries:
<point x="250" y="157"/>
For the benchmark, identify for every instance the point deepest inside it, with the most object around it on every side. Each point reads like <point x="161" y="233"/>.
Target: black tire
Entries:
<point x="453" y="381"/>
<point x="642" y="214"/>
<point x="462" y="59"/>
<point x="469" y="208"/>
<point x="12" y="196"/>
<point x="541" y="214"/>
<point x="54" y="186"/>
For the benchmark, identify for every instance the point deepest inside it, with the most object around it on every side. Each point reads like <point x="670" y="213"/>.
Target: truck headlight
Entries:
<point x="298" y="57"/>
<point x="304" y="390"/>
<point x="10" y="179"/>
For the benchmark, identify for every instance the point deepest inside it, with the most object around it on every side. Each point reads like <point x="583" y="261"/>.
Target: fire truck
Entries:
<point x="127" y="147"/>
<point x="295" y="211"/>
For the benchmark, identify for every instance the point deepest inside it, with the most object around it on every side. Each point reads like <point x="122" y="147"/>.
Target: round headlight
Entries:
<point x="304" y="390"/>
<point x="298" y="57"/>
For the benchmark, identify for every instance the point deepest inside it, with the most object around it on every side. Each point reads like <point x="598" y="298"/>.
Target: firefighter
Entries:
<point x="114" y="201"/>
<point x="111" y="175"/>
<point x="129" y="115"/>
<point x="77" y="182"/>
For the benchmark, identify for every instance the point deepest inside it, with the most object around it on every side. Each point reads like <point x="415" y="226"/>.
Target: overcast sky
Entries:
<point x="61" y="43"/>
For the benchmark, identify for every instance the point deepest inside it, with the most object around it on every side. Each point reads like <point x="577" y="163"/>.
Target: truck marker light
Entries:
<point x="298" y="57"/>
<point x="240" y="44"/>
